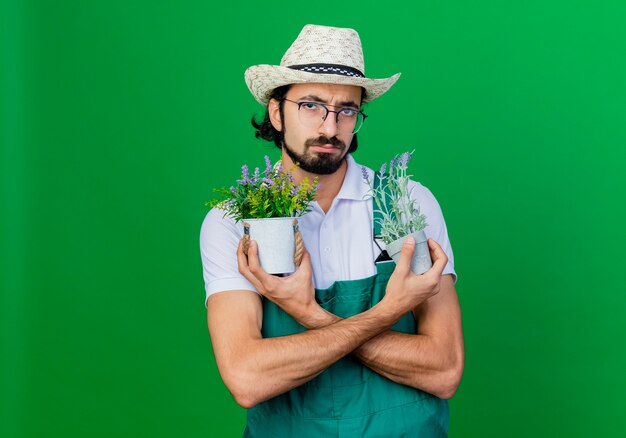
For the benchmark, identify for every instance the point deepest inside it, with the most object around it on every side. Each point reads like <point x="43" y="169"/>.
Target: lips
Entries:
<point x="324" y="147"/>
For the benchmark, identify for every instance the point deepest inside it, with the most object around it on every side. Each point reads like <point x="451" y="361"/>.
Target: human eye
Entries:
<point x="310" y="106"/>
<point x="348" y="112"/>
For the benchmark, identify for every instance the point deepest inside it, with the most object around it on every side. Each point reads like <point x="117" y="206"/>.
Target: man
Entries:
<point x="333" y="349"/>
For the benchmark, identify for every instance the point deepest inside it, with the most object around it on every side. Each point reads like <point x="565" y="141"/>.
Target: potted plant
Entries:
<point x="399" y="215"/>
<point x="268" y="206"/>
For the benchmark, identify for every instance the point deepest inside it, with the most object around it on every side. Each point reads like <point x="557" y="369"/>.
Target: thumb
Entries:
<point x="305" y="264"/>
<point x="406" y="254"/>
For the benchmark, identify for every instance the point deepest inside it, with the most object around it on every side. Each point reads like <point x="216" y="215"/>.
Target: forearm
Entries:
<point x="418" y="361"/>
<point x="266" y="367"/>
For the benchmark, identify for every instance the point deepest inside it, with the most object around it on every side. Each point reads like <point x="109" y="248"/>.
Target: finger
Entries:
<point x="253" y="257"/>
<point x="256" y="269"/>
<point x="242" y="259"/>
<point x="244" y="268"/>
<point x="304" y="250"/>
<point x="439" y="257"/>
<point x="406" y="255"/>
<point x="305" y="269"/>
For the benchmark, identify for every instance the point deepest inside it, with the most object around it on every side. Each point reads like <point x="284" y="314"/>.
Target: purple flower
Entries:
<point x="255" y="177"/>
<point x="245" y="176"/>
<point x="365" y="174"/>
<point x="294" y="191"/>
<point x="268" y="165"/>
<point x="404" y="159"/>
<point x="268" y="182"/>
<point x="233" y="190"/>
<point x="392" y="164"/>
<point x="289" y="177"/>
<point x="383" y="168"/>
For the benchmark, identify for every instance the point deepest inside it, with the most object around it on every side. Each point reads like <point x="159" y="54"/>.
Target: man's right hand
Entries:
<point x="406" y="290"/>
<point x="295" y="294"/>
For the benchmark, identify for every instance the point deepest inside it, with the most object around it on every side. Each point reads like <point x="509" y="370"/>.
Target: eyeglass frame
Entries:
<point x="325" y="106"/>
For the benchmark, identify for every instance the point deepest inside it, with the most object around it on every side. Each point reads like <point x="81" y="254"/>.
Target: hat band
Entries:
<point x="335" y="69"/>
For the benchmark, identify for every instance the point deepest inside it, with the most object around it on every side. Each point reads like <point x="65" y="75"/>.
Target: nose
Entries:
<point x="329" y="126"/>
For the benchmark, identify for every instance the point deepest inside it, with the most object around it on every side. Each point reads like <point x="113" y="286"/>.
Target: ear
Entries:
<point x="273" y="109"/>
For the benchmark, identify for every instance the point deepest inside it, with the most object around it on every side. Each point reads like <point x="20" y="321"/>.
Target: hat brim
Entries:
<point x="263" y="79"/>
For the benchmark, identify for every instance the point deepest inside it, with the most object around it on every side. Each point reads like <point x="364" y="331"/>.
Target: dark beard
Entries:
<point x="323" y="164"/>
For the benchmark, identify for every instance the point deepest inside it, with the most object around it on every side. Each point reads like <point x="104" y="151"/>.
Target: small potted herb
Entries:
<point x="268" y="206"/>
<point x="399" y="214"/>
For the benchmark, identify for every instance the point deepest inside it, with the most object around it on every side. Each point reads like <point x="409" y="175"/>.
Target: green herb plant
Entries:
<point x="400" y="216"/>
<point x="271" y="195"/>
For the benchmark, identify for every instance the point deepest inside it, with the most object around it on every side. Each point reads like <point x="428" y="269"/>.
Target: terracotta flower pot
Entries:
<point x="421" y="258"/>
<point x="275" y="238"/>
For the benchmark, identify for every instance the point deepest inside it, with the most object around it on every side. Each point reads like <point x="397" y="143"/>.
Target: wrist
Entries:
<point x="390" y="309"/>
<point x="313" y="316"/>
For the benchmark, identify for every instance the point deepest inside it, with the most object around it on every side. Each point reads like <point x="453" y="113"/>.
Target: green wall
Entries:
<point x="120" y="117"/>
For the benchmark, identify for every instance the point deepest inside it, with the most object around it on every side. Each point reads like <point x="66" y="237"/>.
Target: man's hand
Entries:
<point x="405" y="289"/>
<point x="295" y="293"/>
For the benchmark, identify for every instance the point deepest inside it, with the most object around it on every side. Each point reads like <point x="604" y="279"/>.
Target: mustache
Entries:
<point x="320" y="141"/>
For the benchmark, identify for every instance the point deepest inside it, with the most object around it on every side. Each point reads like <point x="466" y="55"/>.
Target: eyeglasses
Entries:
<point x="312" y="114"/>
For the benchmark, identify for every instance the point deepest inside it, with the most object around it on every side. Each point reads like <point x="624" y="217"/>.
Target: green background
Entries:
<point x="119" y="118"/>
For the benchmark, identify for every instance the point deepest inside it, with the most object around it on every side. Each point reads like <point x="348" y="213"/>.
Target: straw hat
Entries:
<point x="320" y="54"/>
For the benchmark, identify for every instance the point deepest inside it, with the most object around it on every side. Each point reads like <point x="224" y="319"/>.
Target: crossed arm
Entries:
<point x="256" y="368"/>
